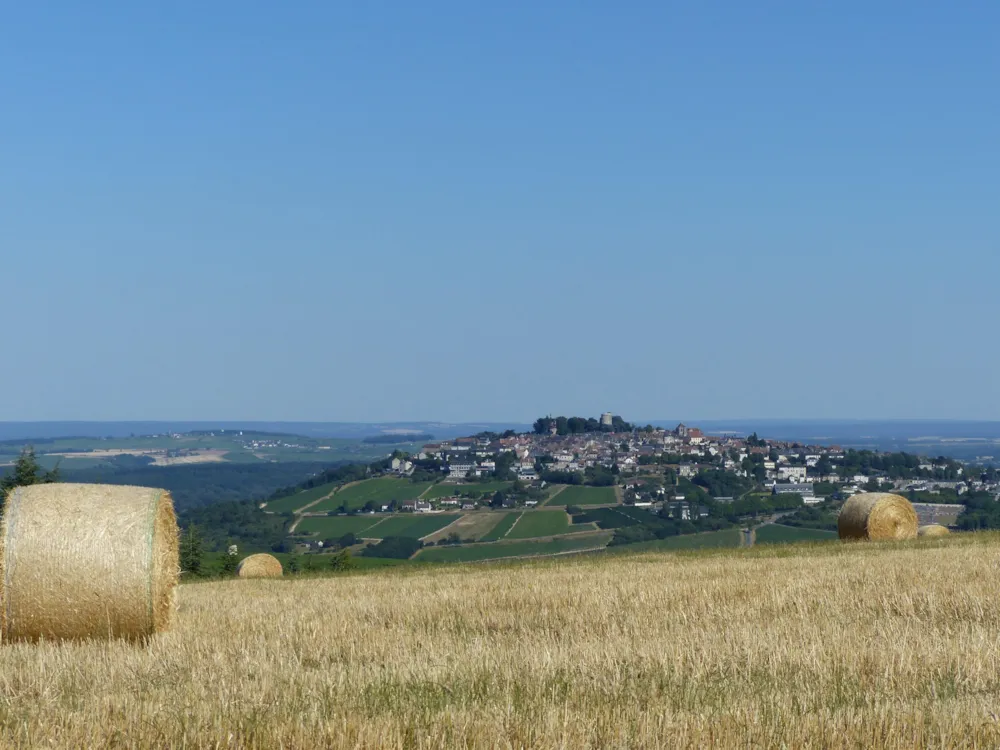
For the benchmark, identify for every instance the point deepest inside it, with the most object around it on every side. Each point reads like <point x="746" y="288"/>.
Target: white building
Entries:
<point x="401" y="466"/>
<point x="459" y="470"/>
<point x="794" y="474"/>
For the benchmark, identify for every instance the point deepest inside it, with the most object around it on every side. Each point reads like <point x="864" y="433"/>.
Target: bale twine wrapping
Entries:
<point x="933" y="529"/>
<point x="259" y="566"/>
<point x="877" y="515"/>
<point x="87" y="561"/>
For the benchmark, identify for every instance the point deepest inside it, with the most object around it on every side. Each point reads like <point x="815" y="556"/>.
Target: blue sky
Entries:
<point x="470" y="211"/>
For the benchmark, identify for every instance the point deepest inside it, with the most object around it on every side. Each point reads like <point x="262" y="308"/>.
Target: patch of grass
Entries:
<point x="642" y="515"/>
<point x="334" y="527"/>
<point x="364" y="563"/>
<point x="379" y="490"/>
<point x="300" y="499"/>
<point x="707" y="540"/>
<point x="414" y="525"/>
<point x="471" y="526"/>
<point x="578" y="495"/>
<point x="607" y="518"/>
<point x="70" y="463"/>
<point x="540" y="523"/>
<point x="459" y="490"/>
<point x="500" y="550"/>
<point x="503" y="526"/>
<point x="777" y="534"/>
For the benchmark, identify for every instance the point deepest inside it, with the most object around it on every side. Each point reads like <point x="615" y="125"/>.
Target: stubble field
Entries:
<point x="800" y="646"/>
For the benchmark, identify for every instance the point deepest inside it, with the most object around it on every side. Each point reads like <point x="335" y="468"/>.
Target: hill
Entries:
<point x="199" y="485"/>
<point x="834" y="645"/>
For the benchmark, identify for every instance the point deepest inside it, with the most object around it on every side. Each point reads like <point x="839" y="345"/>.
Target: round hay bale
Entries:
<point x="87" y="561"/>
<point x="259" y="566"/>
<point x="933" y="529"/>
<point x="877" y="515"/>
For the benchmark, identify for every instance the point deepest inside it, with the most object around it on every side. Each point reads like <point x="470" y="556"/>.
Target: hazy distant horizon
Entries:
<point x="43" y="429"/>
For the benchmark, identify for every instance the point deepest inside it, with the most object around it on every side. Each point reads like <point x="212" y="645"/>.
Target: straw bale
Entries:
<point x="933" y="529"/>
<point x="259" y="566"/>
<point x="877" y="515"/>
<point x="87" y="561"/>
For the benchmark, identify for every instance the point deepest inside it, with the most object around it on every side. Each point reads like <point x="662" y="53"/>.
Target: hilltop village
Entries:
<point x="572" y="484"/>
<point x="685" y="451"/>
<point x="651" y="467"/>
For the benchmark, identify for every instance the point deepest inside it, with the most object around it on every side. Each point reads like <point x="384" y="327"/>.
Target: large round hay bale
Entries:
<point x="933" y="529"/>
<point x="877" y="515"/>
<point x="87" y="561"/>
<point x="259" y="566"/>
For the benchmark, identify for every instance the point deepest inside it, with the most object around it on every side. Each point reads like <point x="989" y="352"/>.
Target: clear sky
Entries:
<point x="490" y="211"/>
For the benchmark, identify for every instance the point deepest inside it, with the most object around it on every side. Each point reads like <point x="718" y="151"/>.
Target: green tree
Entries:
<point x="293" y="564"/>
<point x="230" y="561"/>
<point x="191" y="551"/>
<point x="342" y="561"/>
<point x="824" y="467"/>
<point x="504" y="465"/>
<point x="27" y="471"/>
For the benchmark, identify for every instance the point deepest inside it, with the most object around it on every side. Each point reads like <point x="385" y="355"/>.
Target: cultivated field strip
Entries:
<point x="825" y="646"/>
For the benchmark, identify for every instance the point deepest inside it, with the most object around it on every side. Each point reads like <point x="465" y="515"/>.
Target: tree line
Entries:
<point x="579" y="425"/>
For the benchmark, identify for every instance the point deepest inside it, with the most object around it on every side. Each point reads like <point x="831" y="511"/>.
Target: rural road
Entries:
<point x="749" y="535"/>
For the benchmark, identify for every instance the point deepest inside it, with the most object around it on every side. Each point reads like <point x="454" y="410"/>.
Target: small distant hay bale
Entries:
<point x="877" y="516"/>
<point x="933" y="529"/>
<point x="259" y="566"/>
<point x="85" y="561"/>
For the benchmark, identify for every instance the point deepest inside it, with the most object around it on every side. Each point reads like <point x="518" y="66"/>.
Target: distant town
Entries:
<point x="648" y="466"/>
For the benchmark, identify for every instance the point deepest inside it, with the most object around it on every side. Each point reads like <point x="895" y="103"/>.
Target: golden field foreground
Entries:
<point x="830" y="645"/>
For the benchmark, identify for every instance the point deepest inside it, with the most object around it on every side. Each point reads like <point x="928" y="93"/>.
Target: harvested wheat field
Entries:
<point x="819" y="646"/>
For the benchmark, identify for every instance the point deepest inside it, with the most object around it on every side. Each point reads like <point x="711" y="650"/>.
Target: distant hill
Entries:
<point x="398" y="438"/>
<point x="355" y="430"/>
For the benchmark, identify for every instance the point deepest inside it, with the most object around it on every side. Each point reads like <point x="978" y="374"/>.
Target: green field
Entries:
<point x="642" y="515"/>
<point x="334" y="527"/>
<point x="540" y="523"/>
<point x="577" y="495"/>
<point x="361" y="562"/>
<point x="724" y="538"/>
<point x="478" y="488"/>
<point x="610" y="518"/>
<point x="502" y="527"/>
<point x="239" y="447"/>
<point x="378" y="491"/>
<point x="69" y="463"/>
<point x="299" y="499"/>
<point x="777" y="534"/>
<point x="414" y="525"/>
<point x="473" y="552"/>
